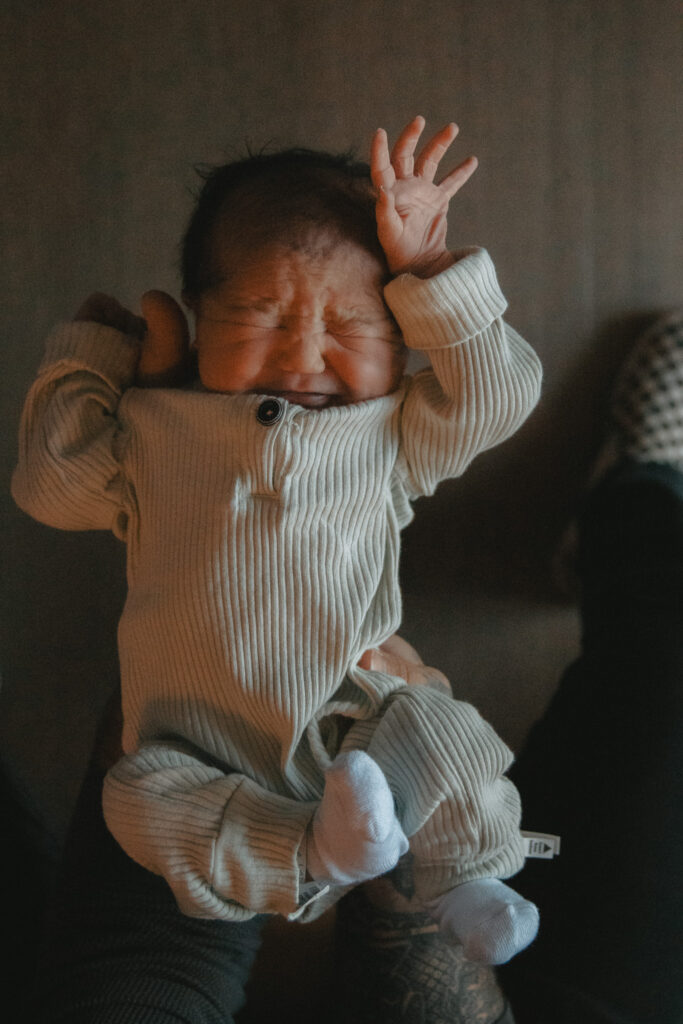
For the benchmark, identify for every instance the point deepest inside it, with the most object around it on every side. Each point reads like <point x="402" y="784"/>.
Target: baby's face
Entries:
<point x="308" y="324"/>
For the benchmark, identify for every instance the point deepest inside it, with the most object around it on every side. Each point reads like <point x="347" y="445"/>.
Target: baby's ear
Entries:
<point x="191" y="304"/>
<point x="164" y="347"/>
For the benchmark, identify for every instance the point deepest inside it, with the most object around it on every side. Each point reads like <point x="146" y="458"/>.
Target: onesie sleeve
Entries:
<point x="227" y="847"/>
<point x="484" y="379"/>
<point x="68" y="473"/>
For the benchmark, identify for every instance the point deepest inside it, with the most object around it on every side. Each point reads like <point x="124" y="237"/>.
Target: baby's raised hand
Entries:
<point x="411" y="208"/>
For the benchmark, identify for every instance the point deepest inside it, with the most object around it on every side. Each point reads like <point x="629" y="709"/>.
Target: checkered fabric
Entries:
<point x="647" y="406"/>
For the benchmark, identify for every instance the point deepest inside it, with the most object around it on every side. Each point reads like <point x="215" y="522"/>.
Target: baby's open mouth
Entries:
<point x="309" y="399"/>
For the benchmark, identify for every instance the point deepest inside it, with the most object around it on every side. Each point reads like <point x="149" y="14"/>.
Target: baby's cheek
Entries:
<point x="216" y="373"/>
<point x="226" y="368"/>
<point x="388" y="369"/>
<point x="375" y="378"/>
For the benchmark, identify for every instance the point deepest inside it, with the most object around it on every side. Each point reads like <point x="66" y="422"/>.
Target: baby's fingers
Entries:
<point x="432" y="154"/>
<point x="403" y="153"/>
<point x="381" y="171"/>
<point x="457" y="178"/>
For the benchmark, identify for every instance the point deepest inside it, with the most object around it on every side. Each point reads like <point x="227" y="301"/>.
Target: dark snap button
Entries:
<point x="269" y="411"/>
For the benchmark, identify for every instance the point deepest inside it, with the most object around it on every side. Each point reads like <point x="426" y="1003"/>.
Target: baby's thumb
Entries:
<point x="164" y="350"/>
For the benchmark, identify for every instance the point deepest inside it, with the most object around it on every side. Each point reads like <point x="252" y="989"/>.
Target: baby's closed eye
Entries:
<point x="347" y="327"/>
<point x="362" y="329"/>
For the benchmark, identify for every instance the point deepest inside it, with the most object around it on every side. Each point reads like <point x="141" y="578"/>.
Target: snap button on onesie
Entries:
<point x="269" y="411"/>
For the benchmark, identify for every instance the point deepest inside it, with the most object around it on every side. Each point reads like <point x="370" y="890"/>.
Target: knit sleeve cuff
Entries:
<point x="263" y="831"/>
<point x="84" y="345"/>
<point x="450" y="308"/>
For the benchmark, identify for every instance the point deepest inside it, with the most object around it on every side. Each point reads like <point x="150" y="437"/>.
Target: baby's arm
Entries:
<point x="485" y="379"/>
<point x="227" y="847"/>
<point x="68" y="473"/>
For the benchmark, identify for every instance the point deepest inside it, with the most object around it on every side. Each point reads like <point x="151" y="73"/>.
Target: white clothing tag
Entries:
<point x="310" y="894"/>
<point x="539" y="844"/>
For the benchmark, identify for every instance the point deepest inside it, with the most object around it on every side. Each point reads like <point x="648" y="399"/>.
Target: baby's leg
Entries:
<point x="354" y="834"/>
<point x="227" y="846"/>
<point x="487" y="918"/>
<point x="445" y="766"/>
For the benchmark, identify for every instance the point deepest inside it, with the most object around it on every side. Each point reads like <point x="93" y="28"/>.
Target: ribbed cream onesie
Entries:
<point x="262" y="561"/>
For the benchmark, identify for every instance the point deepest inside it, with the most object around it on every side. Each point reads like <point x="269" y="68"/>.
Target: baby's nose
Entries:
<point x="302" y="351"/>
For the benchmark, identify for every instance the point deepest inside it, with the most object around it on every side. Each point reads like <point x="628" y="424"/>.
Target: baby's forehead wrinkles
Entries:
<point x="358" y="314"/>
<point x="245" y="304"/>
<point x="303" y="302"/>
<point x="260" y="305"/>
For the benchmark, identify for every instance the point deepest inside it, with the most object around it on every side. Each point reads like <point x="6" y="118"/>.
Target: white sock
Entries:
<point x="489" y="919"/>
<point x="355" y="834"/>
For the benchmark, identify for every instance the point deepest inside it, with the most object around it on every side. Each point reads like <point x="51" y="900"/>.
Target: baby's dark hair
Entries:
<point x="276" y="197"/>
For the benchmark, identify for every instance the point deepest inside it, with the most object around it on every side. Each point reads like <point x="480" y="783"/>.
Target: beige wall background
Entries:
<point x="574" y="110"/>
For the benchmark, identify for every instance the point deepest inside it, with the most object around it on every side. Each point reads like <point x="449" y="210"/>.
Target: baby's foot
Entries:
<point x="355" y="834"/>
<point x="489" y="919"/>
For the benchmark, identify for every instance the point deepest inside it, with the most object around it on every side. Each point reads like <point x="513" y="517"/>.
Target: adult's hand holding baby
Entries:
<point x="397" y="657"/>
<point x="162" y="333"/>
<point x="411" y="208"/>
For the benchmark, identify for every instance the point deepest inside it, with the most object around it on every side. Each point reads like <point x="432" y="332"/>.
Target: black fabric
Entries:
<point x="117" y="949"/>
<point x="28" y="860"/>
<point x="604" y="769"/>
